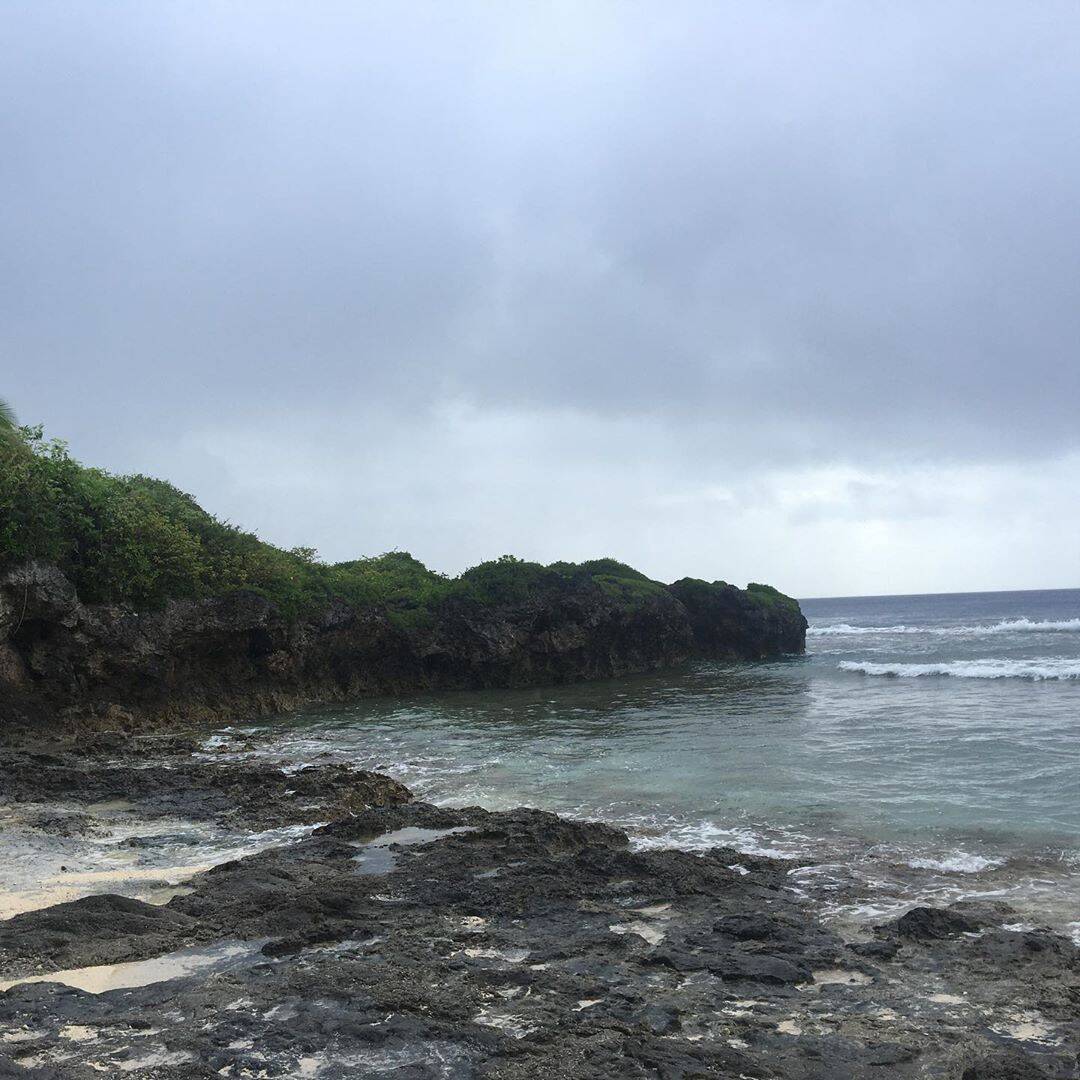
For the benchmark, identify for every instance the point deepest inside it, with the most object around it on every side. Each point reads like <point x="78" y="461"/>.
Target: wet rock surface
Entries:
<point x="396" y="939"/>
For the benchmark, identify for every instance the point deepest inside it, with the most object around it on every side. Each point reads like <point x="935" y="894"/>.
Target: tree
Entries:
<point x="7" y="420"/>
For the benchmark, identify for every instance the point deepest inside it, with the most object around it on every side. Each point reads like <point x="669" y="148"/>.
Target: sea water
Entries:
<point x="926" y="748"/>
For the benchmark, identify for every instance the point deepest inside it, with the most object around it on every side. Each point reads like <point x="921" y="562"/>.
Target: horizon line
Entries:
<point x="964" y="592"/>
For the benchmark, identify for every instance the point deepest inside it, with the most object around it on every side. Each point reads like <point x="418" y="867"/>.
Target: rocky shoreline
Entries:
<point x="374" y="935"/>
<point x="239" y="655"/>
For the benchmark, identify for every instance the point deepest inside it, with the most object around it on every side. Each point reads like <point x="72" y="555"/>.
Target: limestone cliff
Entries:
<point x="238" y="654"/>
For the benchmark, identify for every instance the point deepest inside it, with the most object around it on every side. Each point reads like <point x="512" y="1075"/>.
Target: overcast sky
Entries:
<point x="758" y="291"/>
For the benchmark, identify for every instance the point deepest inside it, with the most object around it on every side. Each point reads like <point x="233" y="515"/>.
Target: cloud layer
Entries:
<point x="785" y="291"/>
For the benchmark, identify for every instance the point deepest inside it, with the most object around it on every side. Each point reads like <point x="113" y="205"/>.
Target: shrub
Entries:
<point x="141" y="541"/>
<point x="129" y="538"/>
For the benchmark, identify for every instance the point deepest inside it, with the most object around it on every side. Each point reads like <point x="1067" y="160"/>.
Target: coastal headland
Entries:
<point x="356" y="931"/>
<point x="123" y="602"/>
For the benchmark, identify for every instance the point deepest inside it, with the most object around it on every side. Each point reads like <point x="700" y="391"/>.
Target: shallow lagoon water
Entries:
<point x="926" y="748"/>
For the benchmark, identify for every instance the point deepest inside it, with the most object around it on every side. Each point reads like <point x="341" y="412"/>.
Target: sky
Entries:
<point x="783" y="292"/>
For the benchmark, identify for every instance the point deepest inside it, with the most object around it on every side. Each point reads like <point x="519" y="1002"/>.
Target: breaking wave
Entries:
<point x="1008" y="626"/>
<point x="958" y="862"/>
<point x="650" y="833"/>
<point x="1037" y="669"/>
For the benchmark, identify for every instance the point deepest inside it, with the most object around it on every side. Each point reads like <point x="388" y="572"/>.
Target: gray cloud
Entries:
<point x="583" y="254"/>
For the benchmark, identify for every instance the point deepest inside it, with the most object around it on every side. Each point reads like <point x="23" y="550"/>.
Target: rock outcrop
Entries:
<point x="239" y="654"/>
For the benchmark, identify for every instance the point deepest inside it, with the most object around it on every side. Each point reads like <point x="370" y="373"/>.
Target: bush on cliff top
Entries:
<point x="141" y="541"/>
<point x="124" y="538"/>
<point x="773" y="599"/>
<point x="696" y="593"/>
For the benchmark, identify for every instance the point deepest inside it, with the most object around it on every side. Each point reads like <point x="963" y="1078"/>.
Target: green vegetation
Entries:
<point x="140" y="541"/>
<point x="7" y="422"/>
<point x="772" y="598"/>
<point x="129" y="538"/>
<point x="694" y="590"/>
<point x="699" y="595"/>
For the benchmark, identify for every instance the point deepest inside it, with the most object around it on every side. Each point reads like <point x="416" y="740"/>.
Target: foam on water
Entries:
<point x="120" y="852"/>
<point x="646" y="834"/>
<point x="1006" y="626"/>
<point x="958" y="862"/>
<point x="1036" y="669"/>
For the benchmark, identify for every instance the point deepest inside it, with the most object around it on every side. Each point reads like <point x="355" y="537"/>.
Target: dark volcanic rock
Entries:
<point x="1003" y="1065"/>
<point x="252" y="795"/>
<point x="95" y="929"/>
<point x="403" y="940"/>
<point x="926" y="924"/>
<point x="929" y="924"/>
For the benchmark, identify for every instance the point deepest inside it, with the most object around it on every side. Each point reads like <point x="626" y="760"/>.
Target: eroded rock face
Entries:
<point x="408" y="941"/>
<point x="237" y="655"/>
<point x="740" y="624"/>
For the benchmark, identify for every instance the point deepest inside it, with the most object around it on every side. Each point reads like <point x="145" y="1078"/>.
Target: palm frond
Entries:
<point x="7" y="418"/>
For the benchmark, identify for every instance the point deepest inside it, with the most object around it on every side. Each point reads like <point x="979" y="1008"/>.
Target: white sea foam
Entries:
<point x="1007" y="626"/>
<point x="702" y="835"/>
<point x="1036" y="669"/>
<point x="1029" y="626"/>
<point x="957" y="862"/>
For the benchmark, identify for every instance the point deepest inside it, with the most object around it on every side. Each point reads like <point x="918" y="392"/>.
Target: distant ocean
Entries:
<point x="927" y="748"/>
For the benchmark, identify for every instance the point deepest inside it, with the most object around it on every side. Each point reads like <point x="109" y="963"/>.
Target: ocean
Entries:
<point x="926" y="749"/>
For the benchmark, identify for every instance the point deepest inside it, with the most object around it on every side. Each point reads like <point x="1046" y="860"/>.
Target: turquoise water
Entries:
<point x="925" y="748"/>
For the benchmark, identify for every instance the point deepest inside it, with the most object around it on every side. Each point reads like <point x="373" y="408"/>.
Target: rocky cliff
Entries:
<point x="239" y="654"/>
